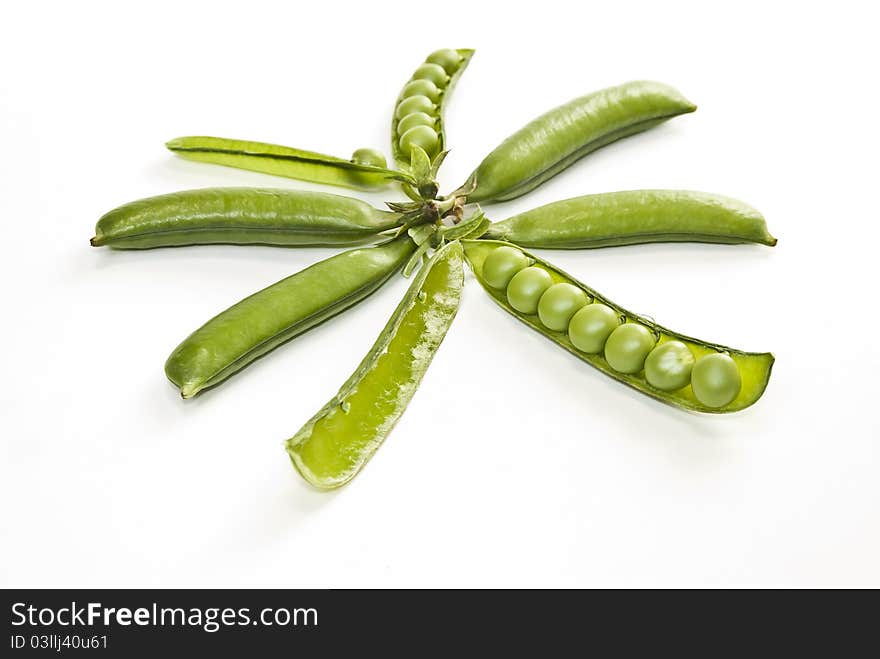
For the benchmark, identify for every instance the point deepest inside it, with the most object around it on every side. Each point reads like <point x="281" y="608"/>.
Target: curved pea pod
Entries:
<point x="557" y="139"/>
<point x="634" y="217"/>
<point x="424" y="115"/>
<point x="260" y="323"/>
<point x="333" y="446"/>
<point x="752" y="368"/>
<point x="242" y="216"/>
<point x="283" y="161"/>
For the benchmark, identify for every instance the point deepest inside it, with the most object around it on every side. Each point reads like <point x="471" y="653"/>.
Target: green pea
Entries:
<point x="627" y="348"/>
<point x="433" y="72"/>
<point x="421" y="88"/>
<point x="502" y="264"/>
<point x="415" y="119"/>
<point x="370" y="157"/>
<point x="669" y="366"/>
<point x="424" y="136"/>
<point x="716" y="380"/>
<point x="590" y="327"/>
<point x="447" y="58"/>
<point x="417" y="103"/>
<point x="558" y="304"/>
<point x="526" y="288"/>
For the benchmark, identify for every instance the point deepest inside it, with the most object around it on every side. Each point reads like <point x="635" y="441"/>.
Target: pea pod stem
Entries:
<point x="335" y="444"/>
<point x="284" y="161"/>
<point x="755" y="368"/>
<point x="260" y="323"/>
<point x="564" y="135"/>
<point x="635" y="217"/>
<point x="243" y="216"/>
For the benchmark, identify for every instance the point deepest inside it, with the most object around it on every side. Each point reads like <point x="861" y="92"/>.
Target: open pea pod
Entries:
<point x="285" y="161"/>
<point x="260" y="323"/>
<point x="564" y="135"/>
<point x="333" y="446"/>
<point x="634" y="217"/>
<point x="673" y="368"/>
<point x="418" y="112"/>
<point x="243" y="216"/>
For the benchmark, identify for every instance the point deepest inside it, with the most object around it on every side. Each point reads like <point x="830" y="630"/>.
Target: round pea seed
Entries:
<point x="716" y="380"/>
<point x="558" y="304"/>
<point x="526" y="288"/>
<point x="421" y="88"/>
<point x="433" y="72"/>
<point x="370" y="157"/>
<point x="423" y="136"/>
<point x="627" y="348"/>
<point x="447" y="58"/>
<point x="590" y="327"/>
<point x="669" y="365"/>
<point x="415" y="119"/>
<point x="502" y="264"/>
<point x="415" y="104"/>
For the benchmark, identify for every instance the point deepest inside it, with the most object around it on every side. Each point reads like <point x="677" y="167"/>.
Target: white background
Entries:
<point x="515" y="465"/>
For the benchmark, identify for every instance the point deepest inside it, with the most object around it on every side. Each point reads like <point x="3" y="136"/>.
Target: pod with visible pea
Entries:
<point x="433" y="72"/>
<point x="285" y="161"/>
<point x="628" y="346"/>
<point x="671" y="367"/>
<point x="260" y="323"/>
<point x="414" y="119"/>
<point x="634" y="217"/>
<point x="558" y="304"/>
<point x="426" y="92"/>
<point x="416" y="104"/>
<point x="564" y="135"/>
<point x="422" y="136"/>
<point x="242" y="216"/>
<point x="590" y="327"/>
<point x="333" y="446"/>
<point x="526" y="288"/>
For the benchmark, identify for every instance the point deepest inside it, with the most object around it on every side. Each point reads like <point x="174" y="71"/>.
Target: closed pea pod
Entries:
<point x="242" y="216"/>
<point x="259" y="323"/>
<point x="712" y="387"/>
<point x="564" y="135"/>
<point x="634" y="217"/>
<point x="427" y="91"/>
<point x="334" y="445"/>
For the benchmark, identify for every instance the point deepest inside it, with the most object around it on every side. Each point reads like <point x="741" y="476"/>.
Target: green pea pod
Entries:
<point x="333" y="446"/>
<point x="557" y="139"/>
<point x="634" y="217"/>
<point x="752" y="369"/>
<point x="284" y="161"/>
<point x="418" y="113"/>
<point x="242" y="216"/>
<point x="260" y="323"/>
